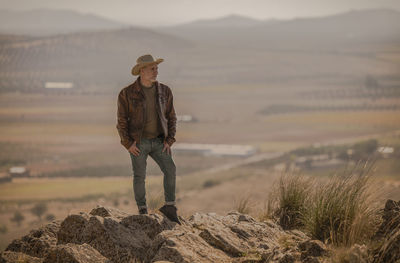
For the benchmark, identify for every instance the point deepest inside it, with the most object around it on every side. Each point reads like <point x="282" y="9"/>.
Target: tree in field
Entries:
<point x="3" y="229"/>
<point x="39" y="209"/>
<point x="18" y="218"/>
<point x="371" y="84"/>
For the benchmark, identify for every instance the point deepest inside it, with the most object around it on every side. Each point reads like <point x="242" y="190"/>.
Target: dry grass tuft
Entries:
<point x="342" y="210"/>
<point x="243" y="204"/>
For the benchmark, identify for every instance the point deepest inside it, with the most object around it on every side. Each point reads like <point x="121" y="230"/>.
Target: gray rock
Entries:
<point x="73" y="253"/>
<point x="287" y="258"/>
<point x="71" y="228"/>
<point x="151" y="225"/>
<point x="390" y="219"/>
<point x="315" y="260"/>
<point x="109" y="235"/>
<point x="108" y="212"/>
<point x="216" y="233"/>
<point x="236" y="233"/>
<point x="114" y="240"/>
<point x="12" y="257"/>
<point x="312" y="248"/>
<point x="389" y="234"/>
<point x="38" y="242"/>
<point x="184" y="246"/>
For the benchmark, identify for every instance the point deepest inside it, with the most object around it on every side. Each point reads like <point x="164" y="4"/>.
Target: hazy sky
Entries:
<point x="167" y="12"/>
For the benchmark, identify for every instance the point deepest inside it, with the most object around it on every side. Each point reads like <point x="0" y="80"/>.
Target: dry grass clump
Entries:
<point x="243" y="204"/>
<point x="289" y="199"/>
<point x="342" y="210"/>
<point x="355" y="253"/>
<point x="155" y="201"/>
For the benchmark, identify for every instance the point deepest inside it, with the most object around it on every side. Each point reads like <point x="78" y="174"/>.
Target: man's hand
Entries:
<point x="167" y="148"/>
<point x="134" y="150"/>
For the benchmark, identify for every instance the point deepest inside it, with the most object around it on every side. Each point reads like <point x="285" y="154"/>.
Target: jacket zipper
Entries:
<point x="144" y="117"/>
<point x="159" y="111"/>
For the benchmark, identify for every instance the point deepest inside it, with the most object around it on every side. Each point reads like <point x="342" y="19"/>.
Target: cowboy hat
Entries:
<point x="144" y="61"/>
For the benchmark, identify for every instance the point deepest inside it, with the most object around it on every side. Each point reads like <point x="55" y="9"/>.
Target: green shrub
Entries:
<point x="39" y="209"/>
<point x="3" y="229"/>
<point x="210" y="183"/>
<point x="17" y="218"/>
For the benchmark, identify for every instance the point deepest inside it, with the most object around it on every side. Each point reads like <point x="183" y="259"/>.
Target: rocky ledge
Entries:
<point x="109" y="235"/>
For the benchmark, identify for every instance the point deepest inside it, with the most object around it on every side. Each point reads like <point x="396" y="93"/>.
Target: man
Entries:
<point x="147" y="126"/>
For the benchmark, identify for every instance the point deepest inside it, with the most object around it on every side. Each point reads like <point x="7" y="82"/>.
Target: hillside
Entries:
<point x="326" y="51"/>
<point x="98" y="60"/>
<point x="41" y="22"/>
<point x="227" y="21"/>
<point x="353" y="27"/>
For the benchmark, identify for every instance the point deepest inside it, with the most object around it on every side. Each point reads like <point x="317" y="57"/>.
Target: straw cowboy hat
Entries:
<point x="144" y="61"/>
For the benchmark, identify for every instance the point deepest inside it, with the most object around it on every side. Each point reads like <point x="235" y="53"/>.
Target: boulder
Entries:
<point x="105" y="234"/>
<point x="109" y="235"/>
<point x="12" y="257"/>
<point x="184" y="246"/>
<point x="73" y="253"/>
<point x="38" y="242"/>
<point x="71" y="229"/>
<point x="236" y="233"/>
<point x="389" y="234"/>
<point x="312" y="248"/>
<point x="108" y="212"/>
<point x="390" y="218"/>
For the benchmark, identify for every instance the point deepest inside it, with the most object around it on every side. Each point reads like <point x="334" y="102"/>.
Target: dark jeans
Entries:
<point x="153" y="147"/>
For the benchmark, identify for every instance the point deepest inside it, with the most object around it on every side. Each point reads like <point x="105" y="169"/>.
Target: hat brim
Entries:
<point x="136" y="69"/>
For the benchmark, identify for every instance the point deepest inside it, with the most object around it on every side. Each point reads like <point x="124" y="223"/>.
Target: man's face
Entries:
<point x="149" y="73"/>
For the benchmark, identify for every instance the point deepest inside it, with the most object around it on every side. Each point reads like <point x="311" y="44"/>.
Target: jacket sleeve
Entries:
<point x="171" y="117"/>
<point x="122" y="121"/>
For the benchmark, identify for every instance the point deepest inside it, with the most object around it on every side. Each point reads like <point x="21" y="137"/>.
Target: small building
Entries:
<point x="59" y="85"/>
<point x="18" y="171"/>
<point x="186" y="118"/>
<point x="386" y="151"/>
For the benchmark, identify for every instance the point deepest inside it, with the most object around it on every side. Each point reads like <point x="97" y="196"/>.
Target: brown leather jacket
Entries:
<point x="131" y="113"/>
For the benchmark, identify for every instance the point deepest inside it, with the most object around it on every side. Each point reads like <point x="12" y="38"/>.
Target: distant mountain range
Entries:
<point x="41" y="22"/>
<point x="233" y="20"/>
<point x="353" y="26"/>
<point x="232" y="49"/>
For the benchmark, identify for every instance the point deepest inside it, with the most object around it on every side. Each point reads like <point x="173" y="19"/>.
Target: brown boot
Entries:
<point x="143" y="211"/>
<point x="170" y="212"/>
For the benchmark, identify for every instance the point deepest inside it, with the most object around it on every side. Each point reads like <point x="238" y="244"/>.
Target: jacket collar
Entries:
<point x="137" y="89"/>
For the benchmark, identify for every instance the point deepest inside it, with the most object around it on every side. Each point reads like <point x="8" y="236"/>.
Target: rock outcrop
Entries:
<point x="389" y="234"/>
<point x="109" y="235"/>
